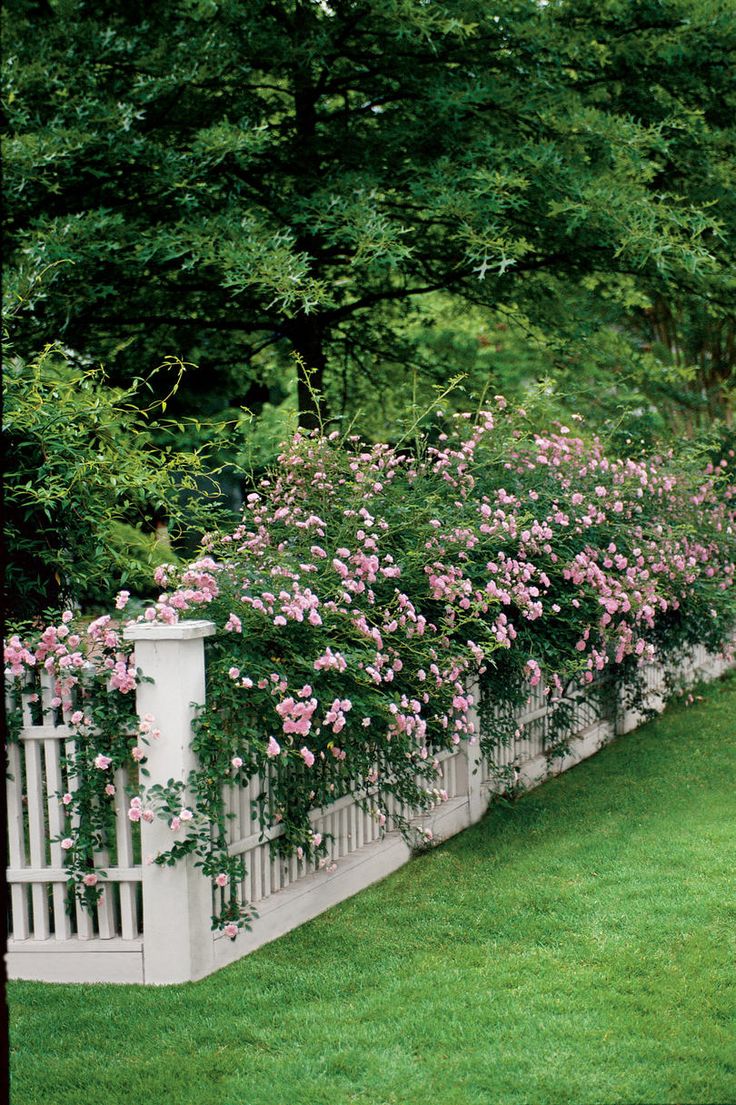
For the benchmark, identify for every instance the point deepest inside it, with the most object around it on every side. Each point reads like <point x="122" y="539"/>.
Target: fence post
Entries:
<point x="177" y="901"/>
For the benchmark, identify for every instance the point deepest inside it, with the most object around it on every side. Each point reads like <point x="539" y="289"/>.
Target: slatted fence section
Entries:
<point x="285" y="891"/>
<point x="42" y="911"/>
<point x="348" y="825"/>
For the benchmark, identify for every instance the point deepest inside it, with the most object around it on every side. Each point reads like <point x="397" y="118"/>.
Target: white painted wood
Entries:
<point x="177" y="901"/>
<point x="26" y="705"/>
<point x="16" y="841"/>
<point x="85" y="927"/>
<point x="124" y="839"/>
<point x="80" y="962"/>
<point x="37" y="838"/>
<point x="60" y="874"/>
<point x="52" y="756"/>
<point x="105" y="909"/>
<point x="47" y="693"/>
<point x="46" y="732"/>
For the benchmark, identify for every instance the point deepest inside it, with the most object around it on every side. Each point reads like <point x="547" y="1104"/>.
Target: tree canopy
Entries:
<point x="229" y="182"/>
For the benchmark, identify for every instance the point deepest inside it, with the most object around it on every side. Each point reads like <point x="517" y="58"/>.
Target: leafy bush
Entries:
<point x="86" y="472"/>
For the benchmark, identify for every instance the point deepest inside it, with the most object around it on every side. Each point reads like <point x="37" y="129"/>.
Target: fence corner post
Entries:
<point x="177" y="901"/>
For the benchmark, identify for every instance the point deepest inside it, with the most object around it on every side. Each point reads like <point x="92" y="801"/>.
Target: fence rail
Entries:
<point x="152" y="924"/>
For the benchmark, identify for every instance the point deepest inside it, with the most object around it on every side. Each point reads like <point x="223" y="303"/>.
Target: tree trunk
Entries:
<point x="307" y="336"/>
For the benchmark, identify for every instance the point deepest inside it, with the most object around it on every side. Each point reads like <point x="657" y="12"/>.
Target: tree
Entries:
<point x="232" y="181"/>
<point x="84" y="481"/>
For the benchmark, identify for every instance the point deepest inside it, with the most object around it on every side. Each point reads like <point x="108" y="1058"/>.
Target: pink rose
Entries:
<point x="185" y="815"/>
<point x="222" y="879"/>
<point x="307" y="756"/>
<point x="273" y="748"/>
<point x="66" y="799"/>
<point x="102" y="762"/>
<point x="67" y="843"/>
<point x="90" y="880"/>
<point x="231" y="930"/>
<point x="236" y="762"/>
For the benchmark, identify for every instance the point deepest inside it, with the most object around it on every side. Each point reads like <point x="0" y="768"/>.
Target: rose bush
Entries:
<point x="368" y="590"/>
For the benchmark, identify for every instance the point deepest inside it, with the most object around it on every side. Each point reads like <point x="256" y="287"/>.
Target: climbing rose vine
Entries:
<point x="369" y="591"/>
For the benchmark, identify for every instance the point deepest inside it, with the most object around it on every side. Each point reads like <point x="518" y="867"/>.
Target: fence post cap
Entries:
<point x="159" y="631"/>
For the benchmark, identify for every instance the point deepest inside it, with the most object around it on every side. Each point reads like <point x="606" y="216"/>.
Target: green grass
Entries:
<point x="576" y="947"/>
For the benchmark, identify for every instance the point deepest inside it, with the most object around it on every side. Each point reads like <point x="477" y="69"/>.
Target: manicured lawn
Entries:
<point x="576" y="948"/>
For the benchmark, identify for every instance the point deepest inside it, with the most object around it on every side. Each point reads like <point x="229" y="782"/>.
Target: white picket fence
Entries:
<point x="153" y="924"/>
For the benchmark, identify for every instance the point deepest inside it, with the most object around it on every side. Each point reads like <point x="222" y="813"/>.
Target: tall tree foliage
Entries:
<point x="220" y="179"/>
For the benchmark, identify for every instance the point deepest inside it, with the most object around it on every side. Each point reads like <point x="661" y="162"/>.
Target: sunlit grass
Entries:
<point x="577" y="947"/>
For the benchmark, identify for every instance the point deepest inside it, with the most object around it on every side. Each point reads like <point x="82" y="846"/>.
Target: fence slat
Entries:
<point x="85" y="927"/>
<point x="266" y="871"/>
<point x="37" y="838"/>
<point x="16" y="843"/>
<point x="47" y="693"/>
<point x="28" y="720"/>
<point x="106" y="925"/>
<point x="124" y="840"/>
<point x="52" y="756"/>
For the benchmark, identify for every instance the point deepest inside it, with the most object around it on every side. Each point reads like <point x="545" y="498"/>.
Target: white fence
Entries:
<point x="153" y="924"/>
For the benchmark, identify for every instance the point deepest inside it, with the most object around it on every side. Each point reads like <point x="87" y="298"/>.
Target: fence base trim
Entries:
<point x="117" y="961"/>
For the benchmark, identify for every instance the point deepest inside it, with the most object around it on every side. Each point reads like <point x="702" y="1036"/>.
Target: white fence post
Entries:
<point x="177" y="901"/>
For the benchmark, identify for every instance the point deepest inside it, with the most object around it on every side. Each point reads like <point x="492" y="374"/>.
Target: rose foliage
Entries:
<point x="366" y="595"/>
